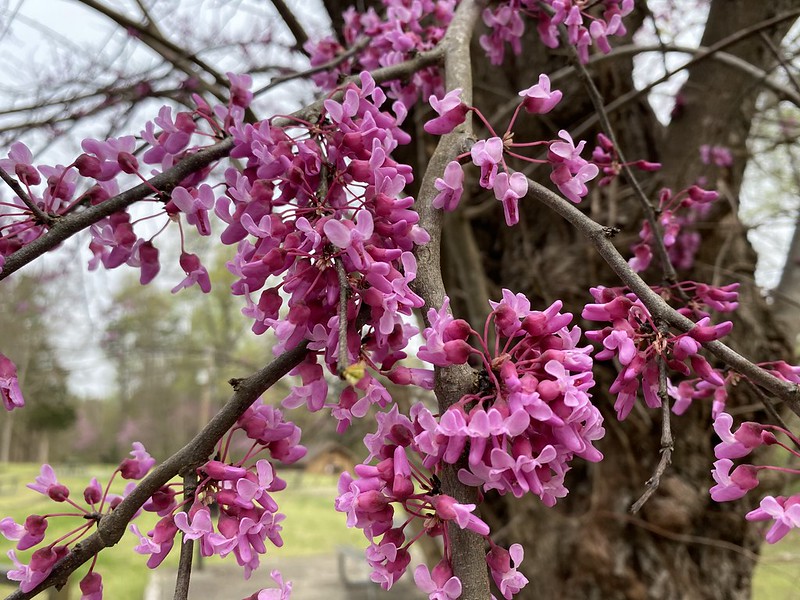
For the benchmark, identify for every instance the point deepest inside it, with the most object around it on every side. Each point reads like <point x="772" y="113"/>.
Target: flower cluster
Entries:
<point x="532" y="412"/>
<point x="98" y="502"/>
<point x="732" y="483"/>
<point x="635" y="340"/>
<point x="675" y="214"/>
<point x="404" y="30"/>
<point x="320" y="206"/>
<point x="92" y="178"/>
<point x="570" y="171"/>
<point x="606" y="157"/>
<point x="508" y="19"/>
<point x="396" y="480"/>
<point x="241" y="491"/>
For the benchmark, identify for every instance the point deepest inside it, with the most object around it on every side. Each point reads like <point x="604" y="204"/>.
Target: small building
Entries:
<point x="330" y="458"/>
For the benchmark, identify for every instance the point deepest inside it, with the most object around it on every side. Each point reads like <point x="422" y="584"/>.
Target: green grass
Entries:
<point x="311" y="525"/>
<point x="777" y="576"/>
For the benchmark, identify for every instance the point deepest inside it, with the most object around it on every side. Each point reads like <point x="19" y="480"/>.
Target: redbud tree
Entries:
<point x="482" y="205"/>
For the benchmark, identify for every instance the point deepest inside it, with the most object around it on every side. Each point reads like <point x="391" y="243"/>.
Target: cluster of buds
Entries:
<point x="676" y="213"/>
<point x="394" y="480"/>
<point x="238" y="490"/>
<point x="402" y="31"/>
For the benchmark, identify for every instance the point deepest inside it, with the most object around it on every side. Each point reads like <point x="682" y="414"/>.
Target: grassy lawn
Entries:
<point x="311" y="525"/>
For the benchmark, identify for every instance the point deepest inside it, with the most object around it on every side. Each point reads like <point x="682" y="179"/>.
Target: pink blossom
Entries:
<point x="440" y="584"/>
<point x="452" y="112"/>
<point x="9" y="384"/>
<point x="450" y="187"/>
<point x="784" y="511"/>
<point x="503" y="565"/>
<point x="91" y="586"/>
<point x="47" y="484"/>
<point x="195" y="273"/>
<point x="509" y="190"/>
<point x="138" y="466"/>
<point x="538" y="99"/>
<point x="487" y="154"/>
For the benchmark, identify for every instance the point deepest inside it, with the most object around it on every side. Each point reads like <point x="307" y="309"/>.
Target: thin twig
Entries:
<point x="668" y="270"/>
<point x="334" y="62"/>
<point x="780" y="58"/>
<point x="667" y="443"/>
<point x="187" y="545"/>
<point x="40" y="215"/>
<point x="299" y="33"/>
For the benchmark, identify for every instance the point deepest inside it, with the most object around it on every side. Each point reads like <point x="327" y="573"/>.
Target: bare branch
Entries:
<point x="300" y="35"/>
<point x="187" y="544"/>
<point x="667" y="443"/>
<point x="658" y="307"/>
<point x="455" y="381"/>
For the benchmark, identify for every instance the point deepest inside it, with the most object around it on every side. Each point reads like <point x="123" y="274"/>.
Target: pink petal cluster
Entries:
<point x="396" y="31"/>
<point x="306" y="205"/>
<point x="677" y="213"/>
<point x="532" y="416"/>
<point x="507" y="21"/>
<point x="633" y="338"/>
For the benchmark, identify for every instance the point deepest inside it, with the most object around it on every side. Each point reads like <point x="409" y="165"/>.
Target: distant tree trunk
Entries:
<point x="682" y="545"/>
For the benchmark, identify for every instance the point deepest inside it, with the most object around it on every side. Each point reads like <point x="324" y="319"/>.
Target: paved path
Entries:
<point x="314" y="578"/>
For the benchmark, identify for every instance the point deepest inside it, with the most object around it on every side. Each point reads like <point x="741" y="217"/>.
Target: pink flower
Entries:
<point x="538" y="99"/>
<point x="47" y="484"/>
<point x="283" y="592"/>
<point x="195" y="204"/>
<point x="731" y="486"/>
<point x="487" y="154"/>
<point x="785" y="512"/>
<point x="195" y="273"/>
<point x="448" y="509"/>
<point x="440" y="584"/>
<point x="9" y="384"/>
<point x="509" y="190"/>
<point x="508" y="579"/>
<point x="92" y="586"/>
<point x="138" y="466"/>
<point x="574" y="186"/>
<point x="452" y="112"/>
<point x="450" y="188"/>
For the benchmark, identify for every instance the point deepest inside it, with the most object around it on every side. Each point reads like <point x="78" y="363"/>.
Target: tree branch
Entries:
<point x="468" y="554"/>
<point x="299" y="33"/>
<point x="113" y="525"/>
<point x="38" y="213"/>
<point x="187" y="544"/>
<point x="658" y="307"/>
